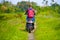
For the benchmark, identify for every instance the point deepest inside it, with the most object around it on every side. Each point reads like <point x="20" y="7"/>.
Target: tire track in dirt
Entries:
<point x="31" y="35"/>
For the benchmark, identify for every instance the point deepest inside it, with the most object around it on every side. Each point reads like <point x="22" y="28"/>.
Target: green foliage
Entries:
<point x="12" y="21"/>
<point x="48" y="28"/>
<point x="12" y="27"/>
<point x="24" y="5"/>
<point x="55" y="7"/>
<point x="20" y="7"/>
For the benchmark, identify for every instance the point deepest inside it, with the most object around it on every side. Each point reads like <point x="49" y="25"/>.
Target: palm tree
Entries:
<point x="45" y="2"/>
<point x="53" y="2"/>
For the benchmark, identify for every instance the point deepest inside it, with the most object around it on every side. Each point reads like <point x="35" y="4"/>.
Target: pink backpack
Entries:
<point x="30" y="13"/>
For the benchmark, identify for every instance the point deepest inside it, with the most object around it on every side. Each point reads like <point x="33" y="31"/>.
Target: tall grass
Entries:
<point x="48" y="28"/>
<point x="12" y="27"/>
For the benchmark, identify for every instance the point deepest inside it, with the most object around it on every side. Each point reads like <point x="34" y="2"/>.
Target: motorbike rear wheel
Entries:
<point x="29" y="29"/>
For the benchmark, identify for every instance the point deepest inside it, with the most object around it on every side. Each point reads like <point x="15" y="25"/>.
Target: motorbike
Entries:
<point x="29" y="25"/>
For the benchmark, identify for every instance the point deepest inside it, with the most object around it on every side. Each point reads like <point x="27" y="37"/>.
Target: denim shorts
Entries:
<point x="33" y="19"/>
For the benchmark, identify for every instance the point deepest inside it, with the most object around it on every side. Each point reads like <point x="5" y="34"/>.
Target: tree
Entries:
<point x="45" y="2"/>
<point x="6" y="3"/>
<point x="24" y="5"/>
